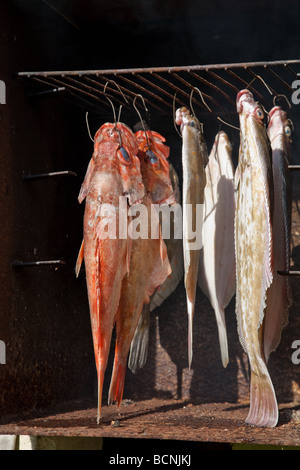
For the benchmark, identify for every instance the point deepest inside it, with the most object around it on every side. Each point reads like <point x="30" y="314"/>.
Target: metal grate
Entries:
<point x="218" y="85"/>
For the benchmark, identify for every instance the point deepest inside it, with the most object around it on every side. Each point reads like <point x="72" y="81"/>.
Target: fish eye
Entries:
<point x="152" y="158"/>
<point x="192" y="123"/>
<point x="124" y="155"/>
<point x="288" y="131"/>
<point x="259" y="113"/>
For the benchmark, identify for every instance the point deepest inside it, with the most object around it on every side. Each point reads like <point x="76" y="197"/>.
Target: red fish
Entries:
<point x="149" y="264"/>
<point x="113" y="171"/>
<point x="161" y="183"/>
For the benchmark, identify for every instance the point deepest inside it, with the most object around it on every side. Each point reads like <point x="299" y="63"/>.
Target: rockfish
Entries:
<point x="279" y="295"/>
<point x="139" y="346"/>
<point x="149" y="264"/>
<point x="254" y="253"/>
<point x="194" y="159"/>
<point x="216" y="276"/>
<point x="113" y="171"/>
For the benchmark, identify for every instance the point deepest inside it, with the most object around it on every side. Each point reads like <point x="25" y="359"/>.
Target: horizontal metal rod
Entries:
<point x="294" y="167"/>
<point x="23" y="264"/>
<point x="48" y="175"/>
<point x="289" y="273"/>
<point x="47" y="92"/>
<point x="187" y="68"/>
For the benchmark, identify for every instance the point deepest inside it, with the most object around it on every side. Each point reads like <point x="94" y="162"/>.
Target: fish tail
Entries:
<point x="79" y="259"/>
<point x="190" y="308"/>
<point x="101" y="371"/>
<point x="117" y="382"/>
<point x="263" y="404"/>
<point x="220" y="317"/>
<point x="139" y="344"/>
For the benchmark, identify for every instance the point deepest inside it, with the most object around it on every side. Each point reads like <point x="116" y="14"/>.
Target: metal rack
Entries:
<point x="218" y="83"/>
<point x="161" y="87"/>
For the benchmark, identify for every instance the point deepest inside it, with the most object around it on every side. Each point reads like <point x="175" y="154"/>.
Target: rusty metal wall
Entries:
<point x="44" y="318"/>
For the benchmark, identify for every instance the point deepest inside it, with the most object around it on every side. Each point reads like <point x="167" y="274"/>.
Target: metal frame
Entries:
<point x="218" y="83"/>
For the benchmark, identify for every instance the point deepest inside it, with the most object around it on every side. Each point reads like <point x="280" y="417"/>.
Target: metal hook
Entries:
<point x="139" y="114"/>
<point x="124" y="97"/>
<point x="282" y="96"/>
<point x="174" y="123"/>
<point x="201" y="96"/>
<point x="206" y="105"/>
<point x="88" y="126"/>
<point x="111" y="103"/>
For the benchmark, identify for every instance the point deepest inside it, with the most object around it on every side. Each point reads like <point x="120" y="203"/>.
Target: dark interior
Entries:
<point x="44" y="317"/>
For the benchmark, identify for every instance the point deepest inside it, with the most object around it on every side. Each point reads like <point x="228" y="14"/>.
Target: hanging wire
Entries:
<point x="174" y="113"/>
<point x="139" y="114"/>
<point x="88" y="126"/>
<point x="204" y="102"/>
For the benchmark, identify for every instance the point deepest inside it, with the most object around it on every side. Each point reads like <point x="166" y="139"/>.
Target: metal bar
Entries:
<point x="279" y="78"/>
<point x="291" y="70"/>
<point x="258" y="77"/>
<point x="48" y="175"/>
<point x="86" y="87"/>
<point x="110" y="88"/>
<point x="144" y="91"/>
<point x="225" y="82"/>
<point x="47" y="92"/>
<point x="246" y="84"/>
<point x="23" y="264"/>
<point x="223" y="66"/>
<point x="171" y="85"/>
<point x="294" y="167"/>
<point x="289" y="273"/>
<point x="43" y="81"/>
<point x="215" y="87"/>
<point x="154" y="85"/>
<point x="60" y="13"/>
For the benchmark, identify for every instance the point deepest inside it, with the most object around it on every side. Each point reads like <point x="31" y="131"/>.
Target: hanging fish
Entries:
<point x="161" y="183"/>
<point x="149" y="264"/>
<point x="216" y="276"/>
<point x="254" y="257"/>
<point x="279" y="295"/>
<point x="113" y="172"/>
<point x="194" y="158"/>
<point x="174" y="248"/>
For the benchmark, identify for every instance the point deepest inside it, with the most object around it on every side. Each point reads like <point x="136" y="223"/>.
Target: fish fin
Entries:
<point x="101" y="371"/>
<point x="190" y="309"/>
<point x="79" y="259"/>
<point x="263" y="404"/>
<point x="222" y="333"/>
<point x="116" y="388"/>
<point x="140" y="342"/>
<point x="86" y="182"/>
<point x="170" y="284"/>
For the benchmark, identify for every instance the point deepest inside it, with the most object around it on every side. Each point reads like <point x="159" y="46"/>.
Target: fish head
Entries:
<point x="153" y="155"/>
<point x="116" y="146"/>
<point x="184" y="118"/>
<point x="220" y="158"/>
<point x="222" y="140"/>
<point x="280" y="128"/>
<point x="246" y="104"/>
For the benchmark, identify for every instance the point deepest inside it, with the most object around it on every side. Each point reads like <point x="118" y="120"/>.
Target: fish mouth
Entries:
<point x="273" y="112"/>
<point x="242" y="96"/>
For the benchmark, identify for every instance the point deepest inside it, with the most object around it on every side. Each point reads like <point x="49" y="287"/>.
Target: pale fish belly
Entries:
<point x="252" y="231"/>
